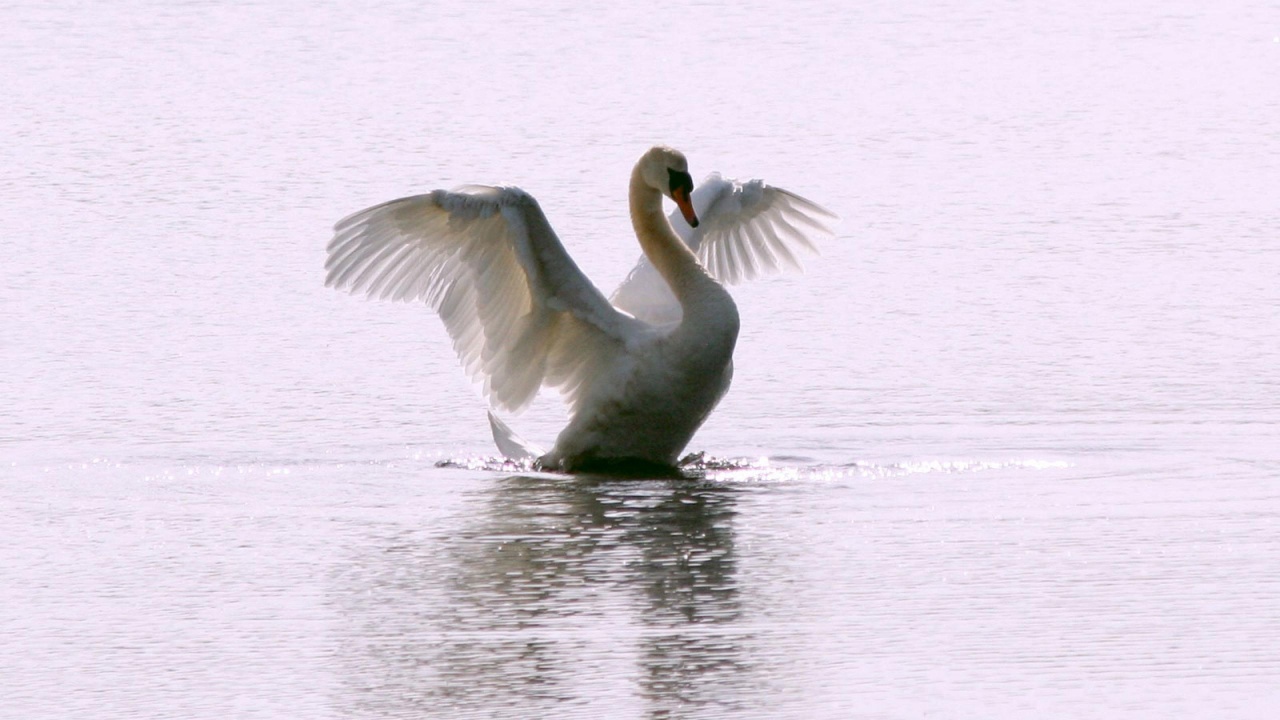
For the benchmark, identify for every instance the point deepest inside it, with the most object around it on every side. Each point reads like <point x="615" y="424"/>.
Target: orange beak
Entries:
<point x="681" y="196"/>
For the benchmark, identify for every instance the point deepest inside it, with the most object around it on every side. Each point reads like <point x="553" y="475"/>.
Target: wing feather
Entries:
<point x="761" y="228"/>
<point x="519" y="311"/>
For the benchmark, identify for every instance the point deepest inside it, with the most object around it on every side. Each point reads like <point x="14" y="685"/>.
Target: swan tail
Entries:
<point x="511" y="445"/>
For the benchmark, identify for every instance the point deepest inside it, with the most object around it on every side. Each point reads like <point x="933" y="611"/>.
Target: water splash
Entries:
<point x="489" y="464"/>
<point x="700" y="466"/>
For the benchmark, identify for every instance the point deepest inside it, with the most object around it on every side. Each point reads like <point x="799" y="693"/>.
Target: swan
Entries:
<point x="639" y="374"/>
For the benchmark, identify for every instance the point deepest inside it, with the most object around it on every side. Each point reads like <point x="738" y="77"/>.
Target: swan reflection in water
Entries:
<point x="548" y="597"/>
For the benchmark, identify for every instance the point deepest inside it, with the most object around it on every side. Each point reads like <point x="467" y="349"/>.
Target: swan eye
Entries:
<point x="680" y="181"/>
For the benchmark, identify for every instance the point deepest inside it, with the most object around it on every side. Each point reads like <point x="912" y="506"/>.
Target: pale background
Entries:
<point x="1021" y="415"/>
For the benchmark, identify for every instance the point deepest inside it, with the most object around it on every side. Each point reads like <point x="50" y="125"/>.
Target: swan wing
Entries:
<point x="520" y="312"/>
<point x="746" y="230"/>
<point x="750" y="229"/>
<point x="511" y="445"/>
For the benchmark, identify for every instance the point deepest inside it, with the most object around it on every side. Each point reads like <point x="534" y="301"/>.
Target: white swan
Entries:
<point x="639" y="377"/>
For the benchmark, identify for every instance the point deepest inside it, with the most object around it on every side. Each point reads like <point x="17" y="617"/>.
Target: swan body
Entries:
<point x="640" y="375"/>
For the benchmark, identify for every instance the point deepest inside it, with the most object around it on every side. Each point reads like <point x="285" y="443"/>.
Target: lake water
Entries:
<point x="1008" y="448"/>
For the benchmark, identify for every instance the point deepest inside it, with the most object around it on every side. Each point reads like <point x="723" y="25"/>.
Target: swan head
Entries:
<point x="666" y="170"/>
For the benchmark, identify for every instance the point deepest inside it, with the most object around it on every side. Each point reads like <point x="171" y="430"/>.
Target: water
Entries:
<point x="1007" y="448"/>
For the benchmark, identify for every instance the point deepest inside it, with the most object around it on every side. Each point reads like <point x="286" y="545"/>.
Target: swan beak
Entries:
<point x="681" y="196"/>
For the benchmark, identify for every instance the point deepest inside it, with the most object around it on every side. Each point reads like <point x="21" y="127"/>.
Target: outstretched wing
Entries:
<point x="520" y="312"/>
<point x="752" y="229"/>
<point x="746" y="230"/>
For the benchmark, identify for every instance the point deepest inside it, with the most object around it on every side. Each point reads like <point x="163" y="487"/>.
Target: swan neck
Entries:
<point x="668" y="253"/>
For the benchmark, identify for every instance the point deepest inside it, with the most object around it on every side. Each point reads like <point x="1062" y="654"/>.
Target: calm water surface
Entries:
<point x="1007" y="449"/>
